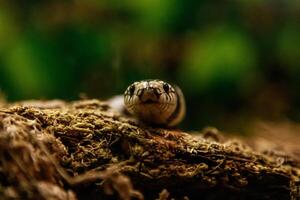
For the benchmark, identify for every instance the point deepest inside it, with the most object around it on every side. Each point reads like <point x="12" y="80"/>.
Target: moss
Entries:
<point x="84" y="149"/>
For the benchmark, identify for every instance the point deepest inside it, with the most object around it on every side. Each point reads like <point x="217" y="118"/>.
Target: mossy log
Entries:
<point x="86" y="150"/>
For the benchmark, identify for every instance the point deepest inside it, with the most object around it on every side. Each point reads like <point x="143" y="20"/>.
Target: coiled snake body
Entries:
<point x="155" y="102"/>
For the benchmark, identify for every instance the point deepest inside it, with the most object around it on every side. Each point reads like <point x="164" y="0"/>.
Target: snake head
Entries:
<point x="152" y="101"/>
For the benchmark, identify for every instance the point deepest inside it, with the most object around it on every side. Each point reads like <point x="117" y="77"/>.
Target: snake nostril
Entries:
<point x="140" y="92"/>
<point x="156" y="92"/>
<point x="149" y="95"/>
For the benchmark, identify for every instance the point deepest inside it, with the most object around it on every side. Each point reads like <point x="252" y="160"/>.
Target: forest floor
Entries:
<point x="86" y="150"/>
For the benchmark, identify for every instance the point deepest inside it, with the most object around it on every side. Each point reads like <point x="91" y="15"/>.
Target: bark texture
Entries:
<point x="85" y="150"/>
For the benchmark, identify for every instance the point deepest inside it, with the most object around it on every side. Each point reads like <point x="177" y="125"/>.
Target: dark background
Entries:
<point x="237" y="61"/>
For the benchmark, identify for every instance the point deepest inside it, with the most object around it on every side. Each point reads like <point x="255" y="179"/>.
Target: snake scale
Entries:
<point x="155" y="102"/>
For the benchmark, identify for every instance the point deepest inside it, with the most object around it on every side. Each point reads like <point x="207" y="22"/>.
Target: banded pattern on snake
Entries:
<point x="155" y="102"/>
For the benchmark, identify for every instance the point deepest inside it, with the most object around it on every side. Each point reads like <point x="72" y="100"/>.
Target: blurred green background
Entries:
<point x="235" y="60"/>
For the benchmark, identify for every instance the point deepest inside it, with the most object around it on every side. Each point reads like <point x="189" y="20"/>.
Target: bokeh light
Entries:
<point x="236" y="61"/>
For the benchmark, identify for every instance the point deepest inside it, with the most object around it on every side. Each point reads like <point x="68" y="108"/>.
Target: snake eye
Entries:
<point x="131" y="90"/>
<point x="166" y="87"/>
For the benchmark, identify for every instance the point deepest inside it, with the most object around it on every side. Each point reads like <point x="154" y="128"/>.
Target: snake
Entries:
<point x="155" y="102"/>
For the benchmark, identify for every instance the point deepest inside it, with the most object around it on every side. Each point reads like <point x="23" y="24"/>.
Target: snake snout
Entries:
<point x="149" y="95"/>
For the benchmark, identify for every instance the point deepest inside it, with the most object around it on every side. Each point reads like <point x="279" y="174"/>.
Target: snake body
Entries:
<point x="155" y="102"/>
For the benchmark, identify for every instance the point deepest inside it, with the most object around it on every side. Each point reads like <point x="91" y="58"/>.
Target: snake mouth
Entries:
<point x="150" y="101"/>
